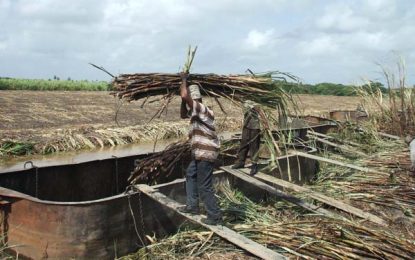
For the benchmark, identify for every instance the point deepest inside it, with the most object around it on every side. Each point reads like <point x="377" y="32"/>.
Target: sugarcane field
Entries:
<point x="207" y="130"/>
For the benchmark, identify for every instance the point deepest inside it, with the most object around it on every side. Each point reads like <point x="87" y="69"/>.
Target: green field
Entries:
<point x="76" y="85"/>
<point x="44" y="84"/>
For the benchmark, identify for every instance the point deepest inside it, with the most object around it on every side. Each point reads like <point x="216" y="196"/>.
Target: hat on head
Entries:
<point x="195" y="92"/>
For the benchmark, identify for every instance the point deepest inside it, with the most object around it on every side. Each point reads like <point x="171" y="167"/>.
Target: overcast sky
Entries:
<point x="317" y="40"/>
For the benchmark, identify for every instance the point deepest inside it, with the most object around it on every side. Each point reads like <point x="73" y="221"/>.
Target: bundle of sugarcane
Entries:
<point x="236" y="88"/>
<point x="259" y="88"/>
<point x="264" y="88"/>
<point x="159" y="165"/>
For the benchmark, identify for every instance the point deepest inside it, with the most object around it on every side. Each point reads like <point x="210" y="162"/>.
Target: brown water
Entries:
<point x="16" y="164"/>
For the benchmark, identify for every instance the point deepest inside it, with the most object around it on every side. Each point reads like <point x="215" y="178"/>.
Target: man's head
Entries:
<point x="195" y="92"/>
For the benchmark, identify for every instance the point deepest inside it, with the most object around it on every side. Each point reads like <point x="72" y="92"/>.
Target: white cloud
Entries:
<point x="341" y="17"/>
<point x="257" y="39"/>
<point x="43" y="38"/>
<point x="323" y="45"/>
<point x="3" y="46"/>
<point x="380" y="8"/>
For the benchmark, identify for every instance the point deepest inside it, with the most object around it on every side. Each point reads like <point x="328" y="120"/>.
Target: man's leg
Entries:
<point x="243" y="149"/>
<point x="207" y="193"/>
<point x="192" y="195"/>
<point x="254" y="149"/>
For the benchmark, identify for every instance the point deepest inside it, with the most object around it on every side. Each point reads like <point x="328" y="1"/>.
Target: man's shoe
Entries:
<point x="211" y="221"/>
<point x="238" y="165"/>
<point x="254" y="169"/>
<point x="188" y="210"/>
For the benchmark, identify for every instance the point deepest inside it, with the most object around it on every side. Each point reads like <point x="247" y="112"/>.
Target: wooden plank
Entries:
<point x="322" y="198"/>
<point x="278" y="193"/>
<point x="222" y="231"/>
<point x="325" y="138"/>
<point x="351" y="166"/>
<point x="341" y="147"/>
<point x="333" y="138"/>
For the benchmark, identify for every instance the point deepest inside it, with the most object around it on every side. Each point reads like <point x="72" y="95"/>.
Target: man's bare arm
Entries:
<point x="184" y="91"/>
<point x="183" y="110"/>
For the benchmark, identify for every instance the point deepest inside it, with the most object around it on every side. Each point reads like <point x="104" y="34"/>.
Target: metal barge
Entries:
<point x="83" y="210"/>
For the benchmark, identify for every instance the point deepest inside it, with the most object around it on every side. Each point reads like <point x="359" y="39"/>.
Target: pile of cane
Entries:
<point x="159" y="165"/>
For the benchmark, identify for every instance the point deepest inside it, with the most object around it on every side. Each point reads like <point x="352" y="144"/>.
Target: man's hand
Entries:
<point x="184" y="91"/>
<point x="184" y="76"/>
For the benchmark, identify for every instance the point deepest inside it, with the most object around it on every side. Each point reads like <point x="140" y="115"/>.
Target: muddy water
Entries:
<point x="16" y="164"/>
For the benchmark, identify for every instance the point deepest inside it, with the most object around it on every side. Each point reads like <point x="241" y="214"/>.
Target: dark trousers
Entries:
<point x="199" y="180"/>
<point x="250" y="142"/>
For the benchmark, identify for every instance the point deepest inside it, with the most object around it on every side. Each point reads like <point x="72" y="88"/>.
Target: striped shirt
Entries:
<point x="204" y="141"/>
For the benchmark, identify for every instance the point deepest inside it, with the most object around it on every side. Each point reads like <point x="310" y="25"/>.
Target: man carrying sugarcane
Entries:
<point x="250" y="138"/>
<point x="205" y="150"/>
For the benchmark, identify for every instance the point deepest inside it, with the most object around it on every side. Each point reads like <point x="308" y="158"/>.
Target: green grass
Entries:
<point x="74" y="85"/>
<point x="15" y="148"/>
<point x="42" y="84"/>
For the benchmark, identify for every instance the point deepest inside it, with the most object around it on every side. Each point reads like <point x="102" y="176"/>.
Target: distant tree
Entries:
<point x="374" y="86"/>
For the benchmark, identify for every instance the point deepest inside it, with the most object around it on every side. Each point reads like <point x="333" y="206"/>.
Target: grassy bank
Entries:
<point x="64" y="140"/>
<point x="55" y="84"/>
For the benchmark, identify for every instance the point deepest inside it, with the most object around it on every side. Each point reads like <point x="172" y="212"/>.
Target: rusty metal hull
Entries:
<point x="81" y="211"/>
<point x="77" y="210"/>
<point x="100" y="229"/>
